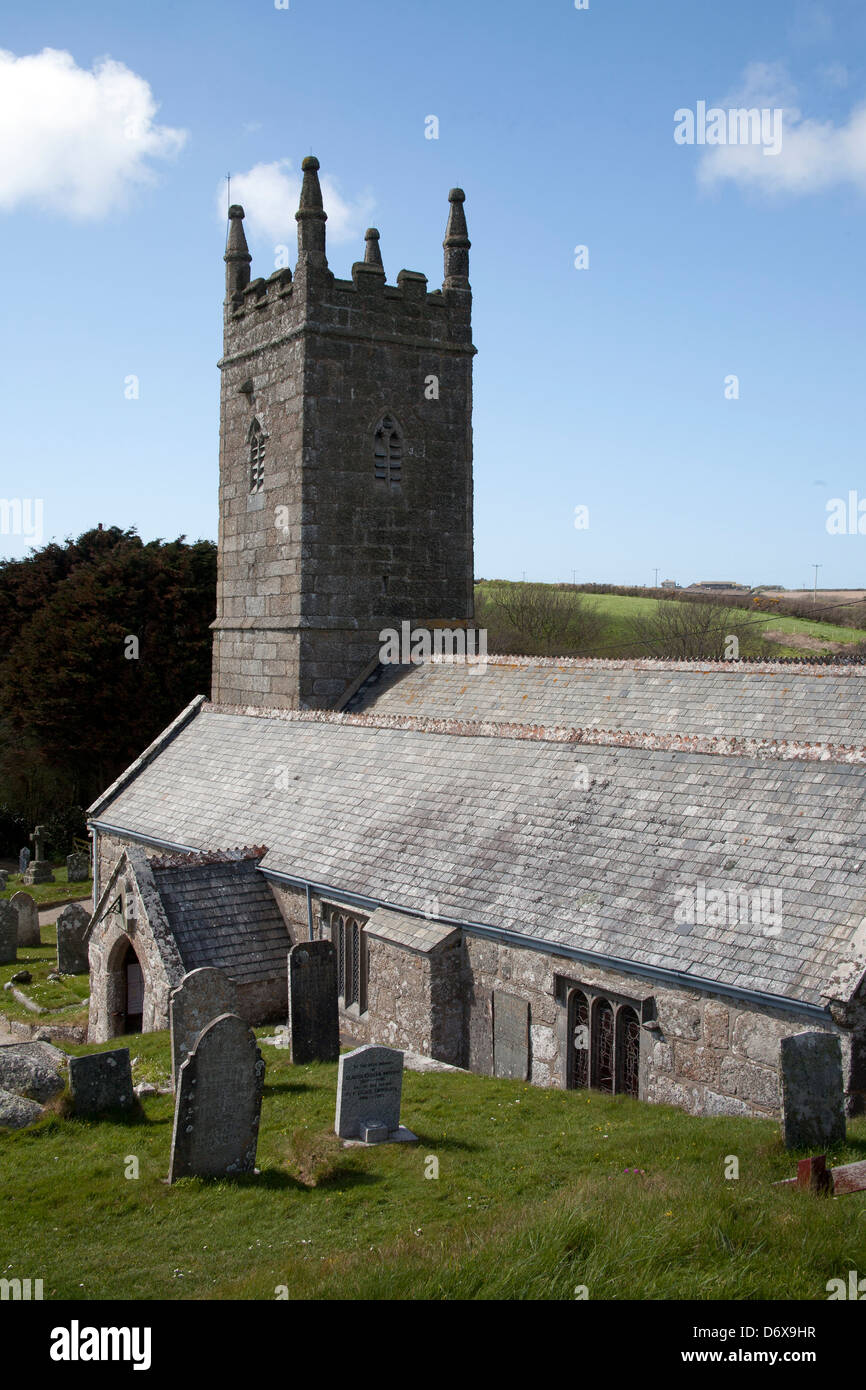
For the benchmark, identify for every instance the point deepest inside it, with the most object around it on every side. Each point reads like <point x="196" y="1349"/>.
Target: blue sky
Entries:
<point x="601" y="387"/>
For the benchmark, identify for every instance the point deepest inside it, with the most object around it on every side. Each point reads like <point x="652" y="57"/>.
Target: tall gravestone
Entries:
<point x="314" y="1019"/>
<point x="72" y="927"/>
<point x="39" y="870"/>
<point x="8" y="933"/>
<point x="23" y="860"/>
<point x="369" y="1087"/>
<point x="77" y="867"/>
<point x="201" y="996"/>
<point x="28" y="919"/>
<point x="219" y="1103"/>
<point x="812" y="1089"/>
<point x="4" y="879"/>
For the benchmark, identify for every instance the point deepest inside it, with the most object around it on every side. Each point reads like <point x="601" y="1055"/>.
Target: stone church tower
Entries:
<point x="345" y="463"/>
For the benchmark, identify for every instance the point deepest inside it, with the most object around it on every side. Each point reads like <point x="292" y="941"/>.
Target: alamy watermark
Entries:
<point x="737" y="126"/>
<point x="22" y="516"/>
<point x="734" y="906"/>
<point x="412" y="645"/>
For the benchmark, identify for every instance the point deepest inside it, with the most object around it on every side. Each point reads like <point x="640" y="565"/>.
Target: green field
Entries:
<point x="619" y="609"/>
<point x="539" y="1193"/>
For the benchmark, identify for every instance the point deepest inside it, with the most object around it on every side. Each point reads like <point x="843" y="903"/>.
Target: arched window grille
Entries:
<point x="602" y="1045"/>
<point x="627" y="1051"/>
<point x="578" y="1039"/>
<point x="388" y="451"/>
<point x="604" y="1040"/>
<point x="257" y="440"/>
<point x="350" y="944"/>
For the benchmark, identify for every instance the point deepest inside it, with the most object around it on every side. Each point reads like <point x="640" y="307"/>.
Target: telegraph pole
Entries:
<point x="816" y="568"/>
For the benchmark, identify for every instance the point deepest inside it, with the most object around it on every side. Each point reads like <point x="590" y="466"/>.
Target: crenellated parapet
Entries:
<point x="345" y="460"/>
<point x="285" y="300"/>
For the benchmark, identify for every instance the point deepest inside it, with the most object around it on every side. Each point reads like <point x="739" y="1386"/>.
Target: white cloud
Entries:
<point x="270" y="193"/>
<point x="815" y="155"/>
<point x="76" y="142"/>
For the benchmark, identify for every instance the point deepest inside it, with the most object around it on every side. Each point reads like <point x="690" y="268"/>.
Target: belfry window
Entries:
<point x="257" y="440"/>
<point x="603" y="1044"/>
<point x="347" y="934"/>
<point x="388" y="451"/>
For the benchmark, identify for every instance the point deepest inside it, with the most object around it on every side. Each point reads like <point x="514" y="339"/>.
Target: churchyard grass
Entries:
<point x="539" y="1193"/>
<point x="62" y="998"/>
<point x="48" y="894"/>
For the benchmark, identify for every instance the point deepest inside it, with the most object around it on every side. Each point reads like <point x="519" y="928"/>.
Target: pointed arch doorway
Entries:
<point x="132" y="977"/>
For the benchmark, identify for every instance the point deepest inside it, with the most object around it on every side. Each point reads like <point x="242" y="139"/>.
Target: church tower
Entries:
<point x="345" y="463"/>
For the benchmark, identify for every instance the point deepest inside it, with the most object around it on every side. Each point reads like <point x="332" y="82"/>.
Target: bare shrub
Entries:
<point x="537" y="619"/>
<point x="697" y="631"/>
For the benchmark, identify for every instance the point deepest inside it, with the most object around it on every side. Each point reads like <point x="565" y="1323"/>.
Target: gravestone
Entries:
<point x="8" y="933"/>
<point x="72" y="927"/>
<point x="510" y="1036"/>
<point x="369" y="1086"/>
<point x="77" y="867"/>
<point x="39" y="870"/>
<point x="812" y="1089"/>
<point x="23" y="860"/>
<point x="219" y="1103"/>
<point x="314" y="1020"/>
<point x="4" y="879"/>
<point x="101" y="1081"/>
<point x="28" y="919"/>
<point x="201" y="996"/>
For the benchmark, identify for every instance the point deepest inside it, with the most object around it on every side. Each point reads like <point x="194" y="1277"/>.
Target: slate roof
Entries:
<point x="578" y="845"/>
<point x="767" y="700"/>
<point x="224" y="914"/>
<point x="413" y="933"/>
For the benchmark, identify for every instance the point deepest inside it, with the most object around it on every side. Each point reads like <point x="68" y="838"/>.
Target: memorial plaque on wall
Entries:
<point x="510" y="1036"/>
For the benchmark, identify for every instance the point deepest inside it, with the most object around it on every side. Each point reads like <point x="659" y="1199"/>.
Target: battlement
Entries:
<point x="345" y="460"/>
<point x="286" y="300"/>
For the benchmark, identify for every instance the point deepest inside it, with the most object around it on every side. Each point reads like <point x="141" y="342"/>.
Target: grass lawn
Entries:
<point x="539" y="1192"/>
<point x="63" y="998"/>
<point x="619" y="609"/>
<point x="46" y="894"/>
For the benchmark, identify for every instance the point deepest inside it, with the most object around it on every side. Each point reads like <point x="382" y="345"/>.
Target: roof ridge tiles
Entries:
<point x="725" y="745"/>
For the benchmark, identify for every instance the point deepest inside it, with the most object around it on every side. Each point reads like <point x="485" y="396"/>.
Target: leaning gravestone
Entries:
<point x="369" y="1086"/>
<point x="219" y="1103"/>
<point x="77" y="867"/>
<point x="28" y="919"/>
<point x="813" y="1100"/>
<point x="314" y="1020"/>
<point x="201" y="996"/>
<point x="8" y="933"/>
<point x="72" y="927"/>
<point x="101" y="1081"/>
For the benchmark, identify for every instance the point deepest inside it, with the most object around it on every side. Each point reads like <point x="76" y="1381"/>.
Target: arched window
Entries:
<point x="256" y="438"/>
<point x="578" y="1040"/>
<point x="602" y="1045"/>
<point x="349" y="942"/>
<point x="627" y="1051"/>
<point x="388" y="451"/>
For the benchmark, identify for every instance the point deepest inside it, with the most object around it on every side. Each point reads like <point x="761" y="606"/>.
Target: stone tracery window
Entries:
<point x="388" y="451"/>
<point x="347" y="934"/>
<point x="603" y="1044"/>
<point x="256" y="438"/>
